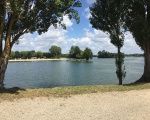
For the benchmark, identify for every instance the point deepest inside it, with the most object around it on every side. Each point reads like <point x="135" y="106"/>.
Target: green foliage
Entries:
<point x="108" y="16"/>
<point x="12" y="55"/>
<point x="118" y="63"/>
<point x="26" y="54"/>
<point x="87" y="54"/>
<point x="17" y="55"/>
<point x="39" y="54"/>
<point x="29" y="54"/>
<point x="80" y="55"/>
<point x="74" y="51"/>
<point x="46" y="55"/>
<point x="105" y="54"/>
<point x="55" y="51"/>
<point x="138" y="22"/>
<point x="32" y="53"/>
<point x="36" y="15"/>
<point x="18" y="17"/>
<point x="134" y="55"/>
<point x="65" y="55"/>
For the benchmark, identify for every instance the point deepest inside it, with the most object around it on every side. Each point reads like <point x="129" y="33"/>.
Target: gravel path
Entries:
<point x="132" y="105"/>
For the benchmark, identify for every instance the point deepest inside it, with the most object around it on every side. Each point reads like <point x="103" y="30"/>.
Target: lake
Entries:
<point x="45" y="74"/>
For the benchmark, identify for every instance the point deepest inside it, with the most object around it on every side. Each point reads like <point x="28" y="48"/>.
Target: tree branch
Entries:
<point x="17" y="37"/>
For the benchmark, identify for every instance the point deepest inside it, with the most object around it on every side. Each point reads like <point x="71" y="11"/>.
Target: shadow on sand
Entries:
<point x="14" y="90"/>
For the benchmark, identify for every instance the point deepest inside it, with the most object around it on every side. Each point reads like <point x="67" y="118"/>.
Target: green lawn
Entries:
<point x="17" y="93"/>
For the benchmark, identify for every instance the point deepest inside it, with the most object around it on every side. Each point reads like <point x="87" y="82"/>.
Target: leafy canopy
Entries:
<point x="34" y="15"/>
<point x="74" y="51"/>
<point x="108" y="16"/>
<point x="138" y="21"/>
<point x="55" y="51"/>
<point x="87" y="54"/>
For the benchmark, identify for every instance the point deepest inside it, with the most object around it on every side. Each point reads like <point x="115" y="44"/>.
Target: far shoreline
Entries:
<point x="33" y="60"/>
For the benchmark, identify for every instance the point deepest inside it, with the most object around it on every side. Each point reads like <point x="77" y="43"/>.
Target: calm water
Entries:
<point x="66" y="73"/>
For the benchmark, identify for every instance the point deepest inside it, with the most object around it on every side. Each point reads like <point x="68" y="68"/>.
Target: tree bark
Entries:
<point x="2" y="19"/>
<point x="119" y="66"/>
<point x="3" y="67"/>
<point x="146" y="75"/>
<point x="6" y="52"/>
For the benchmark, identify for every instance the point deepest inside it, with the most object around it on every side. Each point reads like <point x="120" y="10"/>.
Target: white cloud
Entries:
<point x="42" y="42"/>
<point x="67" y="21"/>
<point x="46" y="40"/>
<point x="100" y="41"/>
<point x="90" y="1"/>
<point x="96" y="40"/>
<point x="130" y="45"/>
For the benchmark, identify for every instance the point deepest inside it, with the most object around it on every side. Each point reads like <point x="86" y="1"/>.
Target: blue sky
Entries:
<point x="82" y="35"/>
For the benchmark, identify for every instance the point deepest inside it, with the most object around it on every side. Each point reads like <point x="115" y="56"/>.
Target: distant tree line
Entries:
<point x="105" y="54"/>
<point x="54" y="52"/>
<point x="28" y="54"/>
<point x="134" y="55"/>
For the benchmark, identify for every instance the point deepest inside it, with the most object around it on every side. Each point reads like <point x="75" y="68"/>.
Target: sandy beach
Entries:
<point x="32" y="60"/>
<point x="131" y="105"/>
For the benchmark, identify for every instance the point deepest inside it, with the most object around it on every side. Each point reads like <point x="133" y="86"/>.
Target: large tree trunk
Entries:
<point x="146" y="75"/>
<point x="3" y="66"/>
<point x="4" y="56"/>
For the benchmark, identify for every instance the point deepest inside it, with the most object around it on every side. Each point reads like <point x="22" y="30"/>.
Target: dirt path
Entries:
<point x="133" y="105"/>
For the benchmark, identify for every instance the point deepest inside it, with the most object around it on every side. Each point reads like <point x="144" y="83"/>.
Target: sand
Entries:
<point x="131" y="105"/>
<point x="32" y="60"/>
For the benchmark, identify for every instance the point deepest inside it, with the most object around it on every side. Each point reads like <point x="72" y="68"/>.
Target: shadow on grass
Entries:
<point x="136" y="84"/>
<point x="14" y="90"/>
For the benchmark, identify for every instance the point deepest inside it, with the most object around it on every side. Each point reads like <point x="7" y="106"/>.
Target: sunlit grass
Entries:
<point x="16" y="93"/>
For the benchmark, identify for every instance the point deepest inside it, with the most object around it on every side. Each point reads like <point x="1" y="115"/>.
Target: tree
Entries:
<point x="29" y="55"/>
<point x="18" y="17"/>
<point x="24" y="54"/>
<point x="17" y="54"/>
<point x="87" y="54"/>
<point x="74" y="51"/>
<point x="138" y="23"/>
<point x="105" y="54"/>
<point x="12" y="55"/>
<point x="80" y="55"/>
<point x="55" y="51"/>
<point x="39" y="54"/>
<point x="108" y="16"/>
<point x="47" y="55"/>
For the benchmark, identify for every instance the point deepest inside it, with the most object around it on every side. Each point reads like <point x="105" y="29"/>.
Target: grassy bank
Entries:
<point x="16" y="93"/>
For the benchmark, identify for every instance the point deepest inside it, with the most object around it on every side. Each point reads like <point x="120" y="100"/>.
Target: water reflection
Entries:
<point x="66" y="73"/>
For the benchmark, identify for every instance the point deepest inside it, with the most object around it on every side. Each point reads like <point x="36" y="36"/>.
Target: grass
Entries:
<point x="17" y="93"/>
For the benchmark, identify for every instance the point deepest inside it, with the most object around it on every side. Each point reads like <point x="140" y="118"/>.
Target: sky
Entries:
<point x="82" y="35"/>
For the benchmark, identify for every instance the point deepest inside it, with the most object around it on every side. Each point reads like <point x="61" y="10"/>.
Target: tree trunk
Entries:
<point x="2" y="19"/>
<point x="6" y="52"/>
<point x="146" y="75"/>
<point x="119" y="67"/>
<point x="3" y="66"/>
